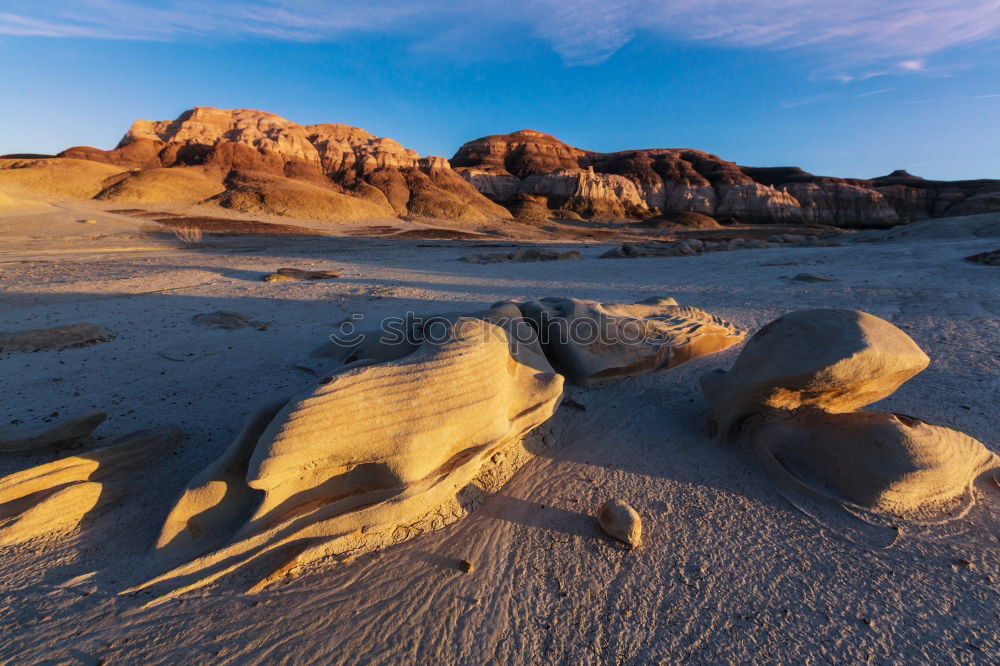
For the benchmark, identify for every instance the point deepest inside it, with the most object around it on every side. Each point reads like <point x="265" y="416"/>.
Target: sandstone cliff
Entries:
<point x="641" y="183"/>
<point x="268" y="164"/>
<point x="258" y="162"/>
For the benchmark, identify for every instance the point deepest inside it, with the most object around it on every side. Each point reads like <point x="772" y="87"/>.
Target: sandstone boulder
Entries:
<point x="364" y="458"/>
<point x="837" y="360"/>
<point x="399" y="337"/>
<point x="590" y="342"/>
<point x="57" y="496"/>
<point x="884" y="462"/>
<point x="218" y="498"/>
<point x="790" y="398"/>
<point x="811" y="277"/>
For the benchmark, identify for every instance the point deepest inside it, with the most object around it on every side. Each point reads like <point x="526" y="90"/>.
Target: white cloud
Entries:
<point x="871" y="93"/>
<point x="954" y="99"/>
<point x="847" y="33"/>
<point x="795" y="103"/>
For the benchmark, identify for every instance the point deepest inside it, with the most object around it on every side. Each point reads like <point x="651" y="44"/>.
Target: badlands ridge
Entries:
<point x="256" y="162"/>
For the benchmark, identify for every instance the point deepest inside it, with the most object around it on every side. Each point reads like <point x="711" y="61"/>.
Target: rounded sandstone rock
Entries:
<point x="887" y="462"/>
<point x="837" y="360"/>
<point x="621" y="521"/>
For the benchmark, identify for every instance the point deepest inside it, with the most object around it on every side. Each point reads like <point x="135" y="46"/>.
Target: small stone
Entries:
<point x="466" y="566"/>
<point x="809" y="277"/>
<point x="523" y="254"/>
<point x="225" y="320"/>
<point x="621" y="521"/>
<point x="991" y="258"/>
<point x="285" y="274"/>
<point x="88" y="221"/>
<point x="45" y="339"/>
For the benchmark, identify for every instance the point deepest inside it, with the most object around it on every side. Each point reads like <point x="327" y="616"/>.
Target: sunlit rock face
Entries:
<point x="229" y="145"/>
<point x="504" y="167"/>
<point x="487" y="176"/>
<point x="532" y="163"/>
<point x="794" y="397"/>
<point x="842" y="204"/>
<point x="587" y="193"/>
<point x="366" y="457"/>
<point x="520" y="154"/>
<point x="56" y="497"/>
<point x="592" y="342"/>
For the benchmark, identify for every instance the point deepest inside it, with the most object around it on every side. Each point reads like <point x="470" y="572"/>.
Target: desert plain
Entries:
<point x="734" y="566"/>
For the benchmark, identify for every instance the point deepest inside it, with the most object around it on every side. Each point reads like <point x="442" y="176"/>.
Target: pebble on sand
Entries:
<point x="621" y="521"/>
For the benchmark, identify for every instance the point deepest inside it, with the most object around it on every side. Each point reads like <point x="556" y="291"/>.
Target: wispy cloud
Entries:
<point x="953" y="99"/>
<point x="795" y="103"/>
<point x="871" y="93"/>
<point x="899" y="33"/>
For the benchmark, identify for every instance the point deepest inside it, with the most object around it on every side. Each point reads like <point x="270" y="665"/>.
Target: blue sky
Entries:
<point x="841" y="89"/>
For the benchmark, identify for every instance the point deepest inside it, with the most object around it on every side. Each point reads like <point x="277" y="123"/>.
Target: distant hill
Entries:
<point x="640" y="183"/>
<point x="257" y="162"/>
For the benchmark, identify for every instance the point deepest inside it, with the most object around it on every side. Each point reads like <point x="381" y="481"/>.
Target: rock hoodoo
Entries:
<point x="590" y="342"/>
<point x="404" y="432"/>
<point x="368" y="456"/>
<point x="792" y="395"/>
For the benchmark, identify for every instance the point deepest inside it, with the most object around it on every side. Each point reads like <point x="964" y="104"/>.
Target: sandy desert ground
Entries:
<point x="733" y="569"/>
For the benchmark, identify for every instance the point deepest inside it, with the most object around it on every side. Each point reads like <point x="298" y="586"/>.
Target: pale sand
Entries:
<point x="730" y="570"/>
